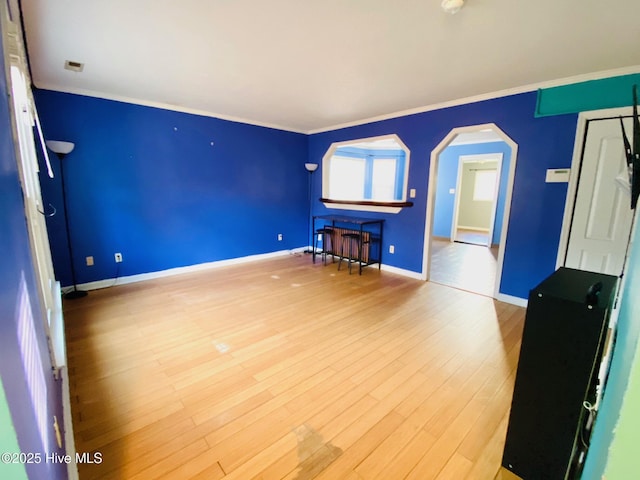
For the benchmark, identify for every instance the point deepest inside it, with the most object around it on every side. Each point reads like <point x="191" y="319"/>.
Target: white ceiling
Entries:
<point x="308" y="66"/>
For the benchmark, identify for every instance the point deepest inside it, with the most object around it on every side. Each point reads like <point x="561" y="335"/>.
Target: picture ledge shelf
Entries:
<point x="366" y="205"/>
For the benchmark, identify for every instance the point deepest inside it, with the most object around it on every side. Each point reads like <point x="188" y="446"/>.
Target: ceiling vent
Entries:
<point x="73" y="66"/>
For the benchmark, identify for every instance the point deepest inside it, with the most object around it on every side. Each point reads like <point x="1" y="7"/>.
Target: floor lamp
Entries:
<point x="310" y="167"/>
<point x="61" y="149"/>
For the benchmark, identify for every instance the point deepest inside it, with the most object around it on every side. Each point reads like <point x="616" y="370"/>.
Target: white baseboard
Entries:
<point x="520" y="302"/>
<point x="110" y="282"/>
<point x="402" y="271"/>
<point x="69" y="442"/>
<point x="473" y="229"/>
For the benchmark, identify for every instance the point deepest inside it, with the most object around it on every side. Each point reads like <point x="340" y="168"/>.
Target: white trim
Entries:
<point x="69" y="442"/>
<point x="473" y="142"/>
<point x="433" y="177"/>
<point x="473" y="229"/>
<point x="520" y="302"/>
<point x="252" y="258"/>
<point x="572" y="188"/>
<point x="362" y="208"/>
<point x="326" y="174"/>
<point x="401" y="271"/>
<point x="111" y="282"/>
<point x="56" y="329"/>
<point x="456" y="200"/>
<point x="486" y="96"/>
<point x="167" y="106"/>
<point x="402" y="113"/>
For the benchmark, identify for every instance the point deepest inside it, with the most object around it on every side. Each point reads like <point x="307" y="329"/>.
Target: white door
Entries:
<point x="602" y="216"/>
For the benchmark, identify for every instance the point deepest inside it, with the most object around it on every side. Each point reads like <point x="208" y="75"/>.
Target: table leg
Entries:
<point x="360" y="251"/>
<point x="380" y="251"/>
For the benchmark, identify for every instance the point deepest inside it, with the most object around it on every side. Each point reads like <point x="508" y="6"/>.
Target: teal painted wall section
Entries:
<point x="8" y="441"/>
<point x="624" y="461"/>
<point x="626" y="346"/>
<point x="584" y="96"/>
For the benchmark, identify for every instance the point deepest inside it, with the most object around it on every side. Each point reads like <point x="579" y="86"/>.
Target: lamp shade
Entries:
<point x="311" y="167"/>
<point x="59" y="147"/>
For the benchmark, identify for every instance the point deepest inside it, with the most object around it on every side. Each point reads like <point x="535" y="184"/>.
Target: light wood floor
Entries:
<point x="460" y="265"/>
<point x="281" y="369"/>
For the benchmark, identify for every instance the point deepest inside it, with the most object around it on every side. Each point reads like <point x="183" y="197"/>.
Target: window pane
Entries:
<point x="346" y="178"/>
<point x="485" y="185"/>
<point x="383" y="179"/>
<point x="370" y="170"/>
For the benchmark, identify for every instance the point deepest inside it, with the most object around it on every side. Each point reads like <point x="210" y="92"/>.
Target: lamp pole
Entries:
<point x="310" y="167"/>
<point x="61" y="149"/>
<point x="75" y="293"/>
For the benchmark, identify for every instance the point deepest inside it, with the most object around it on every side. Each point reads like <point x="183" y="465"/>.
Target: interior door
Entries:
<point x="602" y="215"/>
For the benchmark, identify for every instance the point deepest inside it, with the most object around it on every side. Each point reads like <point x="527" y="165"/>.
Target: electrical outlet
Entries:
<point x="89" y="261"/>
<point x="392" y="249"/>
<point x="118" y="257"/>
<point x="279" y="237"/>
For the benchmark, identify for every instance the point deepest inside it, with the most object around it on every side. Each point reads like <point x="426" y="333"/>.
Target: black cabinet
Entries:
<point x="563" y="338"/>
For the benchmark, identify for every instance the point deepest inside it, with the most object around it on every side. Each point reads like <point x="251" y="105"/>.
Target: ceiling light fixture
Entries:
<point x="452" y="6"/>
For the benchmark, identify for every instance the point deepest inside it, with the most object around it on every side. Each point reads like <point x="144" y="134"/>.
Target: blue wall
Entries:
<point x="17" y="281"/>
<point x="147" y="183"/>
<point x="448" y="176"/>
<point x="536" y="209"/>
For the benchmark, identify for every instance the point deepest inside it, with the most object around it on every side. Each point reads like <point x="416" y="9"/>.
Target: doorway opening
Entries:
<point x="476" y="196"/>
<point x="470" y="185"/>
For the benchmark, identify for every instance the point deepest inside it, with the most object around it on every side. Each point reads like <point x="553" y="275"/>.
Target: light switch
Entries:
<point x="412" y="193"/>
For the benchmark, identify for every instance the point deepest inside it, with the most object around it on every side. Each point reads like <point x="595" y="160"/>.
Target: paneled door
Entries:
<point x="602" y="215"/>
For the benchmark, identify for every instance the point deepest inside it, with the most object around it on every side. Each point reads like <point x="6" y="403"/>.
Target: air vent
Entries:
<point x="73" y="66"/>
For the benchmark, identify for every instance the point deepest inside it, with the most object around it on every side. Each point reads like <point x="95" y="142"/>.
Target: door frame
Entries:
<point x="476" y="158"/>
<point x="431" y="200"/>
<point x="574" y="176"/>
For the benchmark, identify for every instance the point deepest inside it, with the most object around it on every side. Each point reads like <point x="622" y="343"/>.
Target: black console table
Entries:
<point x="368" y="228"/>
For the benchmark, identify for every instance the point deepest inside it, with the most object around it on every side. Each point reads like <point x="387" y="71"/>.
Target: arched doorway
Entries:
<point x="471" y="134"/>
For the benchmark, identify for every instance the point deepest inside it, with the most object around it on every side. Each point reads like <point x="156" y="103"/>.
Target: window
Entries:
<point x="347" y="178"/>
<point x="383" y="179"/>
<point x="369" y="173"/>
<point x="484" y="188"/>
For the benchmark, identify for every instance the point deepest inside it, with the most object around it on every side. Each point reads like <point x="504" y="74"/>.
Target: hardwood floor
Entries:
<point x="282" y="369"/>
<point x="460" y="265"/>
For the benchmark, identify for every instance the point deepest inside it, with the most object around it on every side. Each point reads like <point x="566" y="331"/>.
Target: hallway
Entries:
<point x="464" y="266"/>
